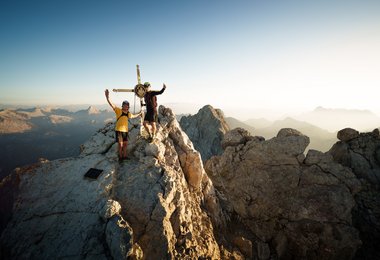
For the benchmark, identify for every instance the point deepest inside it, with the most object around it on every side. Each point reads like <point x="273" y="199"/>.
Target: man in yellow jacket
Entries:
<point x="121" y="129"/>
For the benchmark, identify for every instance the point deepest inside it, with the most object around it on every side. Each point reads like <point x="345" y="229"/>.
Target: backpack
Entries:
<point x="122" y="114"/>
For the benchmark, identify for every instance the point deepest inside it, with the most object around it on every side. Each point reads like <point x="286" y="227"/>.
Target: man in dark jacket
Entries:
<point x="151" y="109"/>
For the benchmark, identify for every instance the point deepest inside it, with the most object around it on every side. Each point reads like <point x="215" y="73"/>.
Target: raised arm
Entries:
<point x="161" y="91"/>
<point x="107" y="93"/>
<point x="135" y="115"/>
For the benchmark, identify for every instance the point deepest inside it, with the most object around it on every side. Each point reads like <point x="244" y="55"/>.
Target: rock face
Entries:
<point x="206" y="130"/>
<point x="260" y="199"/>
<point x="361" y="153"/>
<point x="286" y="205"/>
<point x="235" y="137"/>
<point x="151" y="206"/>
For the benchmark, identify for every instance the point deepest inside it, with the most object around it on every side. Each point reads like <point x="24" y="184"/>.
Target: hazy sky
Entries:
<point x="280" y="56"/>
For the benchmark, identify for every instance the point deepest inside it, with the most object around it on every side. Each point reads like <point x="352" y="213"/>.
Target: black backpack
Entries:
<point x="122" y="114"/>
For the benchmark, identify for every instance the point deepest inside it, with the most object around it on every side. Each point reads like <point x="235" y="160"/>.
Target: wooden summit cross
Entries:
<point x="139" y="90"/>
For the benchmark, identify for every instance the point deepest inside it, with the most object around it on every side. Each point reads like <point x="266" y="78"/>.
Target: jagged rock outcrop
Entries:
<point x="235" y="137"/>
<point x="286" y="206"/>
<point x="361" y="153"/>
<point x="206" y="130"/>
<point x="152" y="206"/>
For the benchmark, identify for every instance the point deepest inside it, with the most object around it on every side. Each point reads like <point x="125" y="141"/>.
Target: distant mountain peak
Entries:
<point x="37" y="112"/>
<point x="92" y="110"/>
<point x="48" y="109"/>
<point x="341" y="110"/>
<point x="334" y="119"/>
<point x="288" y="118"/>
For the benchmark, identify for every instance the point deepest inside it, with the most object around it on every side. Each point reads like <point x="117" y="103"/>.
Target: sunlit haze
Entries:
<point x="249" y="58"/>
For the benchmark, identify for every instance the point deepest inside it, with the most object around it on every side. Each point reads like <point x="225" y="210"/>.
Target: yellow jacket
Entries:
<point x="122" y="119"/>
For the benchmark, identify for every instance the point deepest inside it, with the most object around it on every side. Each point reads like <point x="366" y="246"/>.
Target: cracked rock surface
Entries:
<point x="286" y="205"/>
<point x="153" y="206"/>
<point x="260" y="199"/>
<point x="361" y="153"/>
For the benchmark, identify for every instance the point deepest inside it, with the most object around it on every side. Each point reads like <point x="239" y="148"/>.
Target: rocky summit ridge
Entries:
<point x="157" y="205"/>
<point x="250" y="199"/>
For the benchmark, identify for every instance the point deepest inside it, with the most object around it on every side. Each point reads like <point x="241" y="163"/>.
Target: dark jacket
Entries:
<point x="151" y="99"/>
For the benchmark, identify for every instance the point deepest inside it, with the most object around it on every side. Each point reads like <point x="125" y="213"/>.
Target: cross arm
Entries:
<point x="123" y="90"/>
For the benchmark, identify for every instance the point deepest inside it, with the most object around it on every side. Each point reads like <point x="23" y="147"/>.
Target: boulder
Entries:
<point x="347" y="134"/>
<point x="118" y="235"/>
<point x="285" y="132"/>
<point x="235" y="137"/>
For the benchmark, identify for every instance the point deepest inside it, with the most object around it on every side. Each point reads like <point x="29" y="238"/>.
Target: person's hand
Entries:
<point x="107" y="93"/>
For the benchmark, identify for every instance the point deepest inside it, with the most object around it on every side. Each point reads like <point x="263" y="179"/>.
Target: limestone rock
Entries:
<point x="100" y="142"/>
<point x="347" y="134"/>
<point x="193" y="168"/>
<point x="119" y="240"/>
<point x="235" y="137"/>
<point x="160" y="204"/>
<point x="259" y="199"/>
<point x="338" y="173"/>
<point x="292" y="141"/>
<point x="156" y="150"/>
<point x="270" y="190"/>
<point x="376" y="133"/>
<point x="285" y="132"/>
<point x="206" y="130"/>
<point x="110" y="209"/>
<point x="234" y="255"/>
<point x="361" y="155"/>
<point x="263" y="251"/>
<point x="244" y="245"/>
